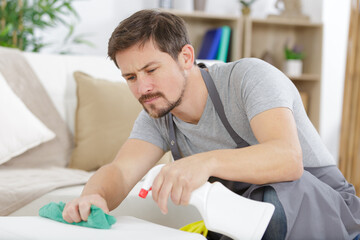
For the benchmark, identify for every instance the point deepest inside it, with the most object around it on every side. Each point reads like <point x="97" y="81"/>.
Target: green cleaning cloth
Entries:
<point x="96" y="219"/>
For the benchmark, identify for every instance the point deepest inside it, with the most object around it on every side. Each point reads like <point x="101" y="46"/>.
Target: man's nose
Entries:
<point x="145" y="85"/>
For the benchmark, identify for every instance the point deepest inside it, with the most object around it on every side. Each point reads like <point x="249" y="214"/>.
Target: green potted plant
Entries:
<point x="293" y="60"/>
<point x="21" y="21"/>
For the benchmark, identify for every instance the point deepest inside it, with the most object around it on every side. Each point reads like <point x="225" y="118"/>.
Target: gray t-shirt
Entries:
<point x="246" y="87"/>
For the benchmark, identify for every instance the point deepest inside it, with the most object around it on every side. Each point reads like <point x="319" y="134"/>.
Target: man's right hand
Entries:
<point x="113" y="181"/>
<point x="78" y="209"/>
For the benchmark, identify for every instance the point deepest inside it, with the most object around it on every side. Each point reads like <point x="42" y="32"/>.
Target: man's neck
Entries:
<point x="194" y="100"/>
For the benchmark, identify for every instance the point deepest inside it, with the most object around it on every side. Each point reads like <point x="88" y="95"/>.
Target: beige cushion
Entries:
<point x="26" y="85"/>
<point x="105" y="115"/>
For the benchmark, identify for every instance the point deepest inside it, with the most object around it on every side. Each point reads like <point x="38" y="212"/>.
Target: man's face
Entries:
<point x="154" y="77"/>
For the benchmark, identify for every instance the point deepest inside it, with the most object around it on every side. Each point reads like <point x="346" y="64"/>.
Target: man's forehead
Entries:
<point x="139" y="57"/>
<point x="134" y="57"/>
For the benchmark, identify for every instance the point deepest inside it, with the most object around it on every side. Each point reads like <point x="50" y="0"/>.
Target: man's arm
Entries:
<point x="277" y="158"/>
<point x="108" y="187"/>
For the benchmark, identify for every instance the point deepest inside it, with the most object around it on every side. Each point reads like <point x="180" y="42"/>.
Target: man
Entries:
<point x="255" y="138"/>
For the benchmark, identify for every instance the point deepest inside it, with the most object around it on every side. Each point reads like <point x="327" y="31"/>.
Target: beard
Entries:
<point x="156" y="112"/>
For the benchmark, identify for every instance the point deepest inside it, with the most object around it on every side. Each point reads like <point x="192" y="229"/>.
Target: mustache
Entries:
<point x="150" y="96"/>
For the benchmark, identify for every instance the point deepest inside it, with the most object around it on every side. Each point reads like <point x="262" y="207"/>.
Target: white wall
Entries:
<point x="99" y="18"/>
<point x="97" y="21"/>
<point x="336" y="25"/>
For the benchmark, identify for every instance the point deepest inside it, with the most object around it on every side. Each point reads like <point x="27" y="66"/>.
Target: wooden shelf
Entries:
<point x="306" y="77"/>
<point x="271" y="35"/>
<point x="202" y="15"/>
<point x="198" y="22"/>
<point x="286" y="22"/>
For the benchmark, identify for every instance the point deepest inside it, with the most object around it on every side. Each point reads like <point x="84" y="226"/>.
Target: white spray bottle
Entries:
<point x="224" y="211"/>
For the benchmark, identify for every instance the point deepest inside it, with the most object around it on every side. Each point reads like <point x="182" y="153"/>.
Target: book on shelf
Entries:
<point x="224" y="44"/>
<point x="215" y="44"/>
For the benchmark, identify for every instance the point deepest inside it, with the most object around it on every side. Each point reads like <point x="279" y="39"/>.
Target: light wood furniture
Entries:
<point x="199" y="22"/>
<point x="271" y="35"/>
<point x="350" y="127"/>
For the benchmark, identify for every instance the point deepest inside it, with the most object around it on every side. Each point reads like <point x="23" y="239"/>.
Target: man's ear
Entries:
<point x="187" y="56"/>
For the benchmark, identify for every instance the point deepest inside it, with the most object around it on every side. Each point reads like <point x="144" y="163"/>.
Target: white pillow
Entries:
<point x="20" y="130"/>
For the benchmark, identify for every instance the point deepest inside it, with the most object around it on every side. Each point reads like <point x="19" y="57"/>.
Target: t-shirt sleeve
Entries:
<point x="145" y="128"/>
<point x="264" y="87"/>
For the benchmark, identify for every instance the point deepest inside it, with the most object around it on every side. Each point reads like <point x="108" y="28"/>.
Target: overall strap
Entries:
<point x="172" y="135"/>
<point x="219" y="108"/>
<point x="215" y="98"/>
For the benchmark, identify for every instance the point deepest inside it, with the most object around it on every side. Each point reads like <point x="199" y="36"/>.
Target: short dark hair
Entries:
<point x="166" y="30"/>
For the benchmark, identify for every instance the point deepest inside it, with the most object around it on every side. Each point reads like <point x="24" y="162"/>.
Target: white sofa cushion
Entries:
<point x="20" y="129"/>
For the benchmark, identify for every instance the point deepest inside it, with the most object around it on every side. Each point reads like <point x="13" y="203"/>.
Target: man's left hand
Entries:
<point x="178" y="179"/>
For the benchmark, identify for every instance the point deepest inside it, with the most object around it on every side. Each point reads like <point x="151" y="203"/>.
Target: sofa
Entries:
<point x="80" y="111"/>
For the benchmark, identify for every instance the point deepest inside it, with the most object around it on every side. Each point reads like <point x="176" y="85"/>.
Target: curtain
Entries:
<point x="350" y="128"/>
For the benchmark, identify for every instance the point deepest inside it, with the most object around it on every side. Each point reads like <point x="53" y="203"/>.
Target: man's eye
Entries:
<point x="130" y="78"/>
<point x="152" y="70"/>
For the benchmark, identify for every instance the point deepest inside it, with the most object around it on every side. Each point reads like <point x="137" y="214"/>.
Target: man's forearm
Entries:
<point x="109" y="183"/>
<point x="273" y="161"/>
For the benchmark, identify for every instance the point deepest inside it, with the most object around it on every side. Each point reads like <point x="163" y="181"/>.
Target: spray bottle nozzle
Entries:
<point x="149" y="179"/>
<point x="143" y="193"/>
